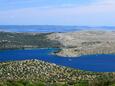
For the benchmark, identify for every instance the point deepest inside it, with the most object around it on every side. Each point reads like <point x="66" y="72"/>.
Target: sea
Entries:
<point x="51" y="28"/>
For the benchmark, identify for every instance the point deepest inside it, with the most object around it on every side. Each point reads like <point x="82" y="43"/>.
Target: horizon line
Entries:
<point x="56" y="25"/>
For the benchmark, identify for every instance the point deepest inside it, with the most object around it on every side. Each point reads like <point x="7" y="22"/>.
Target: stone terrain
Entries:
<point x="85" y="42"/>
<point x="40" y="70"/>
<point x="36" y="70"/>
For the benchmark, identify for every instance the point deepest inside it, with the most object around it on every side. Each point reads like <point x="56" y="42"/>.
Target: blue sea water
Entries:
<point x="96" y="63"/>
<point x="50" y="28"/>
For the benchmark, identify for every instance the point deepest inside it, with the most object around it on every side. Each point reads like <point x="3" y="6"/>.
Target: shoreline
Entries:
<point x="74" y="53"/>
<point x="85" y="43"/>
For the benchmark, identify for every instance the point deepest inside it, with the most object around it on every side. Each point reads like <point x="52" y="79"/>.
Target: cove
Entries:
<point x="95" y="63"/>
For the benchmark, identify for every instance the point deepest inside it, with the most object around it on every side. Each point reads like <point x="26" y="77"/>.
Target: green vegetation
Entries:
<point x="10" y="40"/>
<point x="39" y="83"/>
<point x="40" y="73"/>
<point x="22" y="83"/>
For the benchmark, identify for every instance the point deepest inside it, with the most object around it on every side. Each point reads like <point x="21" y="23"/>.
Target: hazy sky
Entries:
<point x="58" y="12"/>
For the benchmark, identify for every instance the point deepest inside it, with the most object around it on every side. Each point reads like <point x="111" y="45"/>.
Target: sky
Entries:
<point x="57" y="12"/>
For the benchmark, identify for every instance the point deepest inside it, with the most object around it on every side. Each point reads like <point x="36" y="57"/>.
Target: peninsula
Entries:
<point x="84" y="43"/>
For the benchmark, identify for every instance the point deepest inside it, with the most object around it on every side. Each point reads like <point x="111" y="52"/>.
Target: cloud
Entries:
<point x="100" y="12"/>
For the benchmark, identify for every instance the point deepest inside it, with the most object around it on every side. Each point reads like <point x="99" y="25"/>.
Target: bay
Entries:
<point x="96" y="63"/>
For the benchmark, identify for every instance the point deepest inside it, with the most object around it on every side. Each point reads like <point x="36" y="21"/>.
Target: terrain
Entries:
<point x="14" y="40"/>
<point x="85" y="43"/>
<point x="40" y="73"/>
<point x="72" y="44"/>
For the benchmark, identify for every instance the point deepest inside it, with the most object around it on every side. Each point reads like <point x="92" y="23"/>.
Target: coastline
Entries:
<point x="73" y="52"/>
<point x="80" y="43"/>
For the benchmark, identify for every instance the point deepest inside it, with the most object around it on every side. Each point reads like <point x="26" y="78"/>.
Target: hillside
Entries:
<point x="35" y="71"/>
<point x="85" y="42"/>
<point x="12" y="40"/>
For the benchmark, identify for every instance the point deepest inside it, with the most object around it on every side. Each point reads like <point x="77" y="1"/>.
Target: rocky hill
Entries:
<point x="85" y="42"/>
<point x="40" y="71"/>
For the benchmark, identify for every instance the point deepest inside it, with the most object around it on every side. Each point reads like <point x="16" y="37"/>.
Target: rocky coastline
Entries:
<point x="85" y="43"/>
<point x="74" y="52"/>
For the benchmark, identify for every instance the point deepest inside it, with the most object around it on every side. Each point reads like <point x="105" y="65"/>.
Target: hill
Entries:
<point x="12" y="40"/>
<point x="85" y="42"/>
<point x="34" y="72"/>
